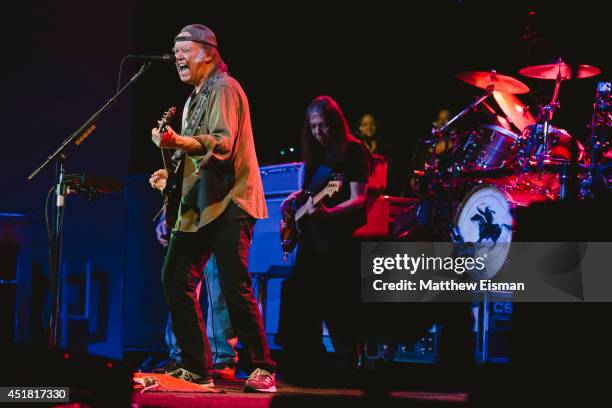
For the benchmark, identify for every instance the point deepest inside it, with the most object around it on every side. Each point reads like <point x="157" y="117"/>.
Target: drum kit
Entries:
<point x="521" y="159"/>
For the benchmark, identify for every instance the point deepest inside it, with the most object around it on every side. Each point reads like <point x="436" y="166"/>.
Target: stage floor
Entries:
<point x="177" y="393"/>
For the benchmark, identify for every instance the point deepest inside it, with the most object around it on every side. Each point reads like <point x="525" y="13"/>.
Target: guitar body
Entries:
<point x="173" y="164"/>
<point x="289" y="228"/>
<point x="174" y="185"/>
<point x="289" y="234"/>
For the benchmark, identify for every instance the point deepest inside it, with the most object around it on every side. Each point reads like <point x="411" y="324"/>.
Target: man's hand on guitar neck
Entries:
<point x="172" y="140"/>
<point x="318" y="210"/>
<point x="158" y="179"/>
<point x="289" y="206"/>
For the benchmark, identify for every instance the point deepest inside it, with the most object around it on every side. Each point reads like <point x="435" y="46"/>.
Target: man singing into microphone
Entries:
<point x="222" y="198"/>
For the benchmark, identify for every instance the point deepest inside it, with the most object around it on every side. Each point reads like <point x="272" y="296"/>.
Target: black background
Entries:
<point x="396" y="59"/>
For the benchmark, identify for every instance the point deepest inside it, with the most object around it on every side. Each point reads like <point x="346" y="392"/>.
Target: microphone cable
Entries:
<point x="120" y="70"/>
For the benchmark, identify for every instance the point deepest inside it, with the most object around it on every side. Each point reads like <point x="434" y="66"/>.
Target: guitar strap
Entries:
<point x="320" y="179"/>
<point x="196" y="109"/>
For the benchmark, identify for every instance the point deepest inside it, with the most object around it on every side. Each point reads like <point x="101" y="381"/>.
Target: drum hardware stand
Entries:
<point x="600" y="120"/>
<point x="524" y="152"/>
<point x="456" y="236"/>
<point x="547" y="114"/>
<point x="568" y="171"/>
<point x="559" y="72"/>
<point x="437" y="133"/>
<point x="545" y="118"/>
<point x="61" y="190"/>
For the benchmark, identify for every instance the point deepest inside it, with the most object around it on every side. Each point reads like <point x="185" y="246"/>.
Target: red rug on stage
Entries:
<point x="153" y="382"/>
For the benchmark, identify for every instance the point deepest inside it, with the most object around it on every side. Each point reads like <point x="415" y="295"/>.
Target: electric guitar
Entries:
<point x="173" y="164"/>
<point x="289" y="230"/>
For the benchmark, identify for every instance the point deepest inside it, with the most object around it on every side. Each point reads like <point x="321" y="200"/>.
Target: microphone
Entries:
<point x="167" y="58"/>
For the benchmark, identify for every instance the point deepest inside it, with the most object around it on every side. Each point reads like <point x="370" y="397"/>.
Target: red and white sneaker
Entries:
<point x="260" y="380"/>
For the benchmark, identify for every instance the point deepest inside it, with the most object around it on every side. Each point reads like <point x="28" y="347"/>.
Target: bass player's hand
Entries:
<point x="288" y="205"/>
<point x="158" y="179"/>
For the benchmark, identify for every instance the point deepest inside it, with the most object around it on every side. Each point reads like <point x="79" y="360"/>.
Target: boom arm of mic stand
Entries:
<point x="89" y="123"/>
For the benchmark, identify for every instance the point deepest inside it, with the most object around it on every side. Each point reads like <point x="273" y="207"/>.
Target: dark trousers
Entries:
<point x="324" y="287"/>
<point x="229" y="239"/>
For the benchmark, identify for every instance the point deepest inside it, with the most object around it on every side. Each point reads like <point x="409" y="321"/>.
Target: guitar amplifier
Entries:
<point x="282" y="179"/>
<point x="16" y="232"/>
<point x="279" y="181"/>
<point x="265" y="249"/>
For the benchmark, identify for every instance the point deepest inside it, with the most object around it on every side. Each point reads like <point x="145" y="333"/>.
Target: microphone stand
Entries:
<point x="55" y="244"/>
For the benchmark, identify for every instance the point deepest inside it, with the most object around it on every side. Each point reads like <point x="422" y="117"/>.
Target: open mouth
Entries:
<point x="182" y="68"/>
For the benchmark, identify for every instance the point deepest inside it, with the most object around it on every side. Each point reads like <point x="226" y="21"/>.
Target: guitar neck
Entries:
<point x="167" y="159"/>
<point x="315" y="200"/>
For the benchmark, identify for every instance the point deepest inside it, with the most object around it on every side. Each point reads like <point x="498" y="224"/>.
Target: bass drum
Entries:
<point x="485" y="217"/>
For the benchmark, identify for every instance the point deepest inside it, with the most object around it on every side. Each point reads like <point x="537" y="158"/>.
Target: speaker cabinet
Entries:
<point x="15" y="277"/>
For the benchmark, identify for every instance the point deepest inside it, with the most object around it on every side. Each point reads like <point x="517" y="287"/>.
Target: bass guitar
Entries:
<point x="289" y="229"/>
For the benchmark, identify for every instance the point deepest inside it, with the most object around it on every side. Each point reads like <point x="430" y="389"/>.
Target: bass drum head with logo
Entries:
<point x="484" y="217"/>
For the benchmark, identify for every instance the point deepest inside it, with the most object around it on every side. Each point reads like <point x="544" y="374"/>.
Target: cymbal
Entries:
<point x="499" y="82"/>
<point x="560" y="70"/>
<point x="514" y="109"/>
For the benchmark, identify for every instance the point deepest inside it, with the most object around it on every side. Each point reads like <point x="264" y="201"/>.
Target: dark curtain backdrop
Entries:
<point x="398" y="61"/>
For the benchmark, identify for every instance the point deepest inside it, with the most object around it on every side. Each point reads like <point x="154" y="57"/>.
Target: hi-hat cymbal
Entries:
<point x="498" y="82"/>
<point x="514" y="109"/>
<point x="560" y="70"/>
